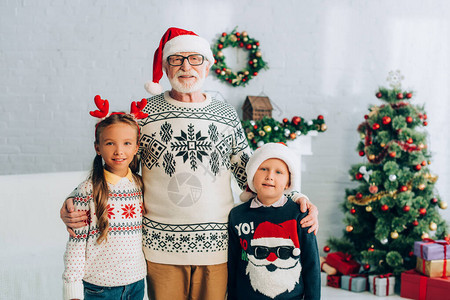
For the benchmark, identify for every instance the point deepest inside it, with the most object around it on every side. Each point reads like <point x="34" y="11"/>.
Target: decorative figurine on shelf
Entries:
<point x="256" y="107"/>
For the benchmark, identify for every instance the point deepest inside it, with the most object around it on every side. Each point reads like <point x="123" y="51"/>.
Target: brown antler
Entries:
<point x="103" y="107"/>
<point x="137" y="107"/>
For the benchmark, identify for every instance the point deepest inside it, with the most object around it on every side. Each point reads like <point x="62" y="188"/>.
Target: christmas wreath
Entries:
<point x="243" y="41"/>
<point x="268" y="130"/>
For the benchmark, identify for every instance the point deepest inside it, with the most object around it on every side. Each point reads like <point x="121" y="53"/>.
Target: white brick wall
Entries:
<point x="325" y="57"/>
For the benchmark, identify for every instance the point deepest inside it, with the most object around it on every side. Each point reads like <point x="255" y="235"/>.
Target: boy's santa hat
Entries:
<point x="274" y="150"/>
<point x="173" y="41"/>
<point x="274" y="235"/>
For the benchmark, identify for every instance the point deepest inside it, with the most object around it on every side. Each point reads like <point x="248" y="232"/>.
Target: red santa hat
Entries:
<point x="273" y="235"/>
<point x="273" y="150"/>
<point x="176" y="40"/>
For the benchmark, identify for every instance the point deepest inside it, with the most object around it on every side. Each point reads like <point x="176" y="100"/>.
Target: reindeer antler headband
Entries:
<point x="103" y="110"/>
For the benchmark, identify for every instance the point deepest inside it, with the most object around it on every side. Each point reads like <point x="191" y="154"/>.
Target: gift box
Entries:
<point x="334" y="281"/>
<point x="382" y="285"/>
<point x="343" y="263"/>
<point x="323" y="278"/>
<point x="438" y="288"/>
<point x="354" y="282"/>
<point x="433" y="268"/>
<point x="326" y="267"/>
<point x="413" y="285"/>
<point x="429" y="249"/>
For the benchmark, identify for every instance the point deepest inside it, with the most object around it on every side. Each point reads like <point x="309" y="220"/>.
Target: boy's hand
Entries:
<point x="312" y="218"/>
<point x="72" y="219"/>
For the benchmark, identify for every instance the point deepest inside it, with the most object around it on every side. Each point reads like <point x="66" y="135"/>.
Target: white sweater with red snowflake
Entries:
<point x="120" y="260"/>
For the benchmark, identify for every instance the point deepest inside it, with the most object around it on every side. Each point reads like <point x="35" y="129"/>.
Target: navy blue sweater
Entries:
<point x="270" y="256"/>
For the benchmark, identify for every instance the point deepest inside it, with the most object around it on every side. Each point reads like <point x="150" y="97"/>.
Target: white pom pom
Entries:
<point x="296" y="252"/>
<point x="153" y="88"/>
<point x="245" y="196"/>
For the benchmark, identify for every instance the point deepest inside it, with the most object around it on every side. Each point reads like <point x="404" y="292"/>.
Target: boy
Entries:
<point x="269" y="255"/>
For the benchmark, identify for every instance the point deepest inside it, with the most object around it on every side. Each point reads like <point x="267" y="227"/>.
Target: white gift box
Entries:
<point x="382" y="285"/>
<point x="323" y="279"/>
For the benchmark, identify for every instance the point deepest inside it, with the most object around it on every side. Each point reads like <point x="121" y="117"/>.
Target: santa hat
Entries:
<point x="173" y="41"/>
<point x="274" y="150"/>
<point x="273" y="235"/>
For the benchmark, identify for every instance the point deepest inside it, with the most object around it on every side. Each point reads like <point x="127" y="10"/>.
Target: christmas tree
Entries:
<point x="395" y="202"/>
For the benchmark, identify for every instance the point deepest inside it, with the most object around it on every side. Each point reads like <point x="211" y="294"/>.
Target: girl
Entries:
<point x="105" y="259"/>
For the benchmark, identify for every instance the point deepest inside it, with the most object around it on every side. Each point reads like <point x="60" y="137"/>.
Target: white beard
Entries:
<point x="187" y="88"/>
<point x="273" y="283"/>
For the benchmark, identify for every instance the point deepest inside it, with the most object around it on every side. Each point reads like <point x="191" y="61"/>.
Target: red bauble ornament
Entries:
<point x="241" y="45"/>
<point x="422" y="211"/>
<point x="366" y="267"/>
<point x="371" y="249"/>
<point x="399" y="96"/>
<point x="384" y="207"/>
<point x="237" y="33"/>
<point x="326" y="249"/>
<point x="248" y="47"/>
<point x="361" y="153"/>
<point x="319" y="117"/>
<point x="375" y="126"/>
<point x="424" y="163"/>
<point x="224" y="34"/>
<point x="296" y="120"/>
<point x="409" y="119"/>
<point x="292" y="136"/>
<point x="353" y="211"/>
<point x="373" y="189"/>
<point x="358" y="176"/>
<point x="386" y="120"/>
<point x="403" y="188"/>
<point x="366" y="117"/>
<point x="250" y="62"/>
<point x="418" y="167"/>
<point x="409" y="141"/>
<point x="406" y="208"/>
<point x="285" y="120"/>
<point x="255" y="126"/>
<point x="415" y="222"/>
<point x="378" y="95"/>
<point x="220" y="46"/>
<point x="434" y="200"/>
<point x="425" y="116"/>
<point x="255" y="73"/>
<point x="411" y="253"/>
<point x="409" y="95"/>
<point x="358" y="195"/>
<point x="425" y="123"/>
<point x="392" y="154"/>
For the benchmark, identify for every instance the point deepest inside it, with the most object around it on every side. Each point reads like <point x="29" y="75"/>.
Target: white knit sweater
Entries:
<point x="189" y="151"/>
<point x="120" y="260"/>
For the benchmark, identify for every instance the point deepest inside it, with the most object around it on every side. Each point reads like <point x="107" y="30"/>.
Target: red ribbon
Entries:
<point x="354" y="276"/>
<point x="428" y="241"/>
<point x="423" y="287"/>
<point x="387" y="284"/>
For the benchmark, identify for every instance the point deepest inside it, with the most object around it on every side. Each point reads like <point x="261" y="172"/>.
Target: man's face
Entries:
<point x="187" y="78"/>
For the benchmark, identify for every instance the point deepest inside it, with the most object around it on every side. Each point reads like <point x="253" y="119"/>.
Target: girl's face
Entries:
<point x="117" y="145"/>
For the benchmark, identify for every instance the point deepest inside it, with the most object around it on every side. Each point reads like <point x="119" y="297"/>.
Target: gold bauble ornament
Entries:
<point x="362" y="135"/>
<point x="220" y="54"/>
<point x="323" y="127"/>
<point x="233" y="38"/>
<point x="394" y="235"/>
<point x="246" y="73"/>
<point x="262" y="133"/>
<point x="382" y="145"/>
<point x="244" y="33"/>
<point x="433" y="226"/>
<point x="255" y="60"/>
<point x="425" y="235"/>
<point x="222" y="73"/>
<point x="349" y="228"/>
<point x="228" y="71"/>
<point x="258" y="54"/>
<point x="250" y="135"/>
<point x="443" y="205"/>
<point x="371" y="156"/>
<point x="421" y="146"/>
<point x="421" y="186"/>
<point x="245" y="39"/>
<point x="222" y="39"/>
<point x="368" y="208"/>
<point x="267" y="128"/>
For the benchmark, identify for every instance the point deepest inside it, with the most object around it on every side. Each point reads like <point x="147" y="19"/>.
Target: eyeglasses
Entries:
<point x="282" y="252"/>
<point x="178" y="60"/>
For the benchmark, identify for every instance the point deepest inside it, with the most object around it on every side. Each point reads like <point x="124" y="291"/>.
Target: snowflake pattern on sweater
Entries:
<point x="189" y="151"/>
<point x="120" y="260"/>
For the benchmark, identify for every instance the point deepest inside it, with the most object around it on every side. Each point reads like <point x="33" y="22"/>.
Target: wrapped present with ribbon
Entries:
<point x="326" y="267"/>
<point x="334" y="281"/>
<point x="354" y="282"/>
<point x="343" y="263"/>
<point x="414" y="285"/>
<point x="433" y="268"/>
<point x="438" y="288"/>
<point x="382" y="285"/>
<point x="429" y="249"/>
<point x="323" y="278"/>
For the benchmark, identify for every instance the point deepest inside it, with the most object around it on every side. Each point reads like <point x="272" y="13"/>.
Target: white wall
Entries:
<point x="325" y="57"/>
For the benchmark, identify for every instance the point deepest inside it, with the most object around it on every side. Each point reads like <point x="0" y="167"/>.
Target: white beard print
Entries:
<point x="284" y="278"/>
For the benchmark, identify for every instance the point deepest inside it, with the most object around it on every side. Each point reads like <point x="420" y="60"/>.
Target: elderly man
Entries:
<point x="191" y="144"/>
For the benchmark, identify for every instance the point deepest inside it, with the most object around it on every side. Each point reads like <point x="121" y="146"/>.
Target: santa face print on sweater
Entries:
<point x="274" y="258"/>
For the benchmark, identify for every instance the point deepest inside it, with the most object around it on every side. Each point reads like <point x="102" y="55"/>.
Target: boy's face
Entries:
<point x="271" y="179"/>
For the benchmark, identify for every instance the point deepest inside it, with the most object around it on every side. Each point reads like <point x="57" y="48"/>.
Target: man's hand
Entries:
<point x="312" y="218"/>
<point x="72" y="219"/>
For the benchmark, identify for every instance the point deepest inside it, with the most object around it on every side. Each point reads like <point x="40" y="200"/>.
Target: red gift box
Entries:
<point x="334" y="281"/>
<point x="343" y="263"/>
<point x="438" y="288"/>
<point x="414" y="285"/>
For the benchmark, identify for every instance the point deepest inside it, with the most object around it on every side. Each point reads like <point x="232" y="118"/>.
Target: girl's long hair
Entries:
<point x="100" y="186"/>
